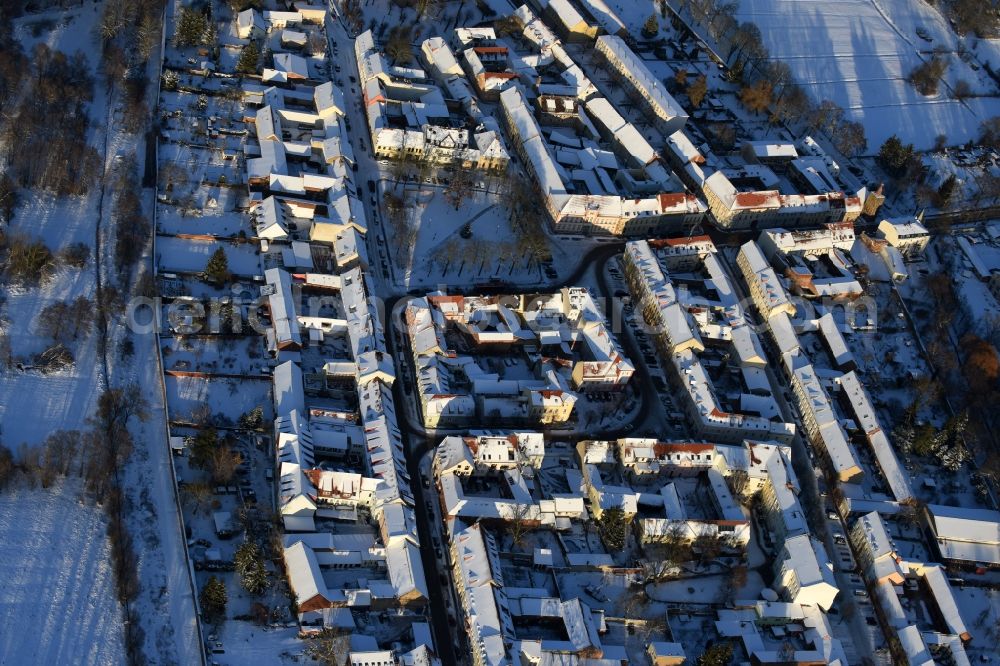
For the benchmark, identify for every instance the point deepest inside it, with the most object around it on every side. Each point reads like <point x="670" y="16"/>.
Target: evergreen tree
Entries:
<point x="719" y="654"/>
<point x="613" y="526"/>
<point x="192" y="27"/>
<point x="170" y="80"/>
<point x="217" y="269"/>
<point x="250" y="566"/>
<point x="947" y="189"/>
<point x="202" y="446"/>
<point x="904" y="435"/>
<point x="213" y="600"/>
<point x="925" y="440"/>
<point x="249" y="57"/>
<point x="894" y="156"/>
<point x="651" y="27"/>
<point x="951" y="451"/>
<point x="253" y="419"/>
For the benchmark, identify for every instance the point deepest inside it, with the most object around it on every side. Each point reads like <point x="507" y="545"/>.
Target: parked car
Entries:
<point x="596" y="593"/>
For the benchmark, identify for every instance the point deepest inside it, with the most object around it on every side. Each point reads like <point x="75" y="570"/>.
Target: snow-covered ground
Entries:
<point x="57" y="596"/>
<point x="439" y="254"/>
<point x="180" y="254"/>
<point x="248" y="644"/>
<point x="220" y="220"/>
<point x="230" y="397"/>
<point x="858" y="54"/>
<point x="58" y="602"/>
<point x="57" y="590"/>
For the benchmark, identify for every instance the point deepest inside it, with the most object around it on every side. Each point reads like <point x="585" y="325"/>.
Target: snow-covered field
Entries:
<point x="858" y="53"/>
<point x="179" y="254"/>
<point x="230" y="397"/>
<point x="440" y="255"/>
<point x="57" y="597"/>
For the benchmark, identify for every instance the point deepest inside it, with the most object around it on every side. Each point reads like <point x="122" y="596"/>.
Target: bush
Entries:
<point x="54" y="358"/>
<point x="757" y="97"/>
<point x="132" y="229"/>
<point x="46" y="123"/>
<point x="75" y="255"/>
<point x="962" y="89"/>
<point x="927" y="76"/>
<point x="7" y="466"/>
<point x="696" y="91"/>
<point x="65" y="321"/>
<point x="28" y="261"/>
<point x="651" y="28"/>
<point x="8" y="198"/>
<point x="989" y="132"/>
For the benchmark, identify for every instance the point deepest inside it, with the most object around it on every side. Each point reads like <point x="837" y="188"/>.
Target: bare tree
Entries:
<point x="223" y="463"/>
<point x="329" y="647"/>
<point x="518" y="524"/>
<point x="460" y="186"/>
<point x="737" y="482"/>
<point x="198" y="496"/>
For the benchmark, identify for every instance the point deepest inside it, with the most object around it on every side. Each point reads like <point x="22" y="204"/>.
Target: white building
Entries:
<point x="630" y="69"/>
<point x="906" y="234"/>
<point x="804" y="573"/>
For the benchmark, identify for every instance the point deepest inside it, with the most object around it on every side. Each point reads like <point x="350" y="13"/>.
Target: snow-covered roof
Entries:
<point x="604" y="15"/>
<point x="914" y="646"/>
<point x="841" y="353"/>
<point x="440" y="56"/>
<point x="771" y="149"/>
<point x="867" y="419"/>
<point x="288" y="391"/>
<point x="294" y="66"/>
<point x="904" y="227"/>
<point x="270" y="220"/>
<point x="644" y="80"/>
<point x="564" y="11"/>
<point x="406" y="570"/>
<point x="944" y="596"/>
<point x="329" y="98"/>
<point x="249" y="19"/>
<point x="304" y="575"/>
<point x="282" y="308"/>
<point x="477" y="565"/>
<point x="763" y="280"/>
<point x="966" y="534"/>
<point x="807" y="558"/>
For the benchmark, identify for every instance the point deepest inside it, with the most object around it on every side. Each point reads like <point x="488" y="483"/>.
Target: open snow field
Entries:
<point x="437" y="253"/>
<point x="57" y="597"/>
<point x="858" y="53"/>
<point x="58" y="603"/>
<point x="231" y="397"/>
<point x="180" y="254"/>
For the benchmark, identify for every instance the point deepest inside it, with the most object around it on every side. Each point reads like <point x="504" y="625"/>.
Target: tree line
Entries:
<point x="767" y="85"/>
